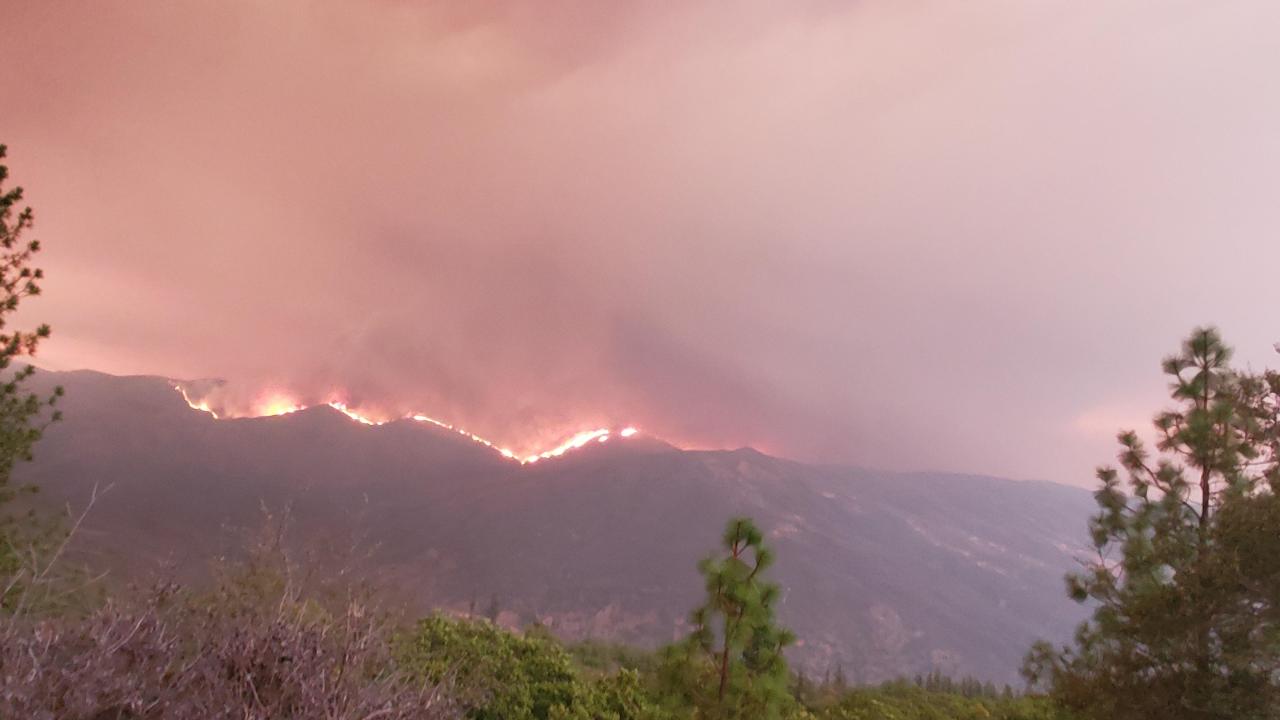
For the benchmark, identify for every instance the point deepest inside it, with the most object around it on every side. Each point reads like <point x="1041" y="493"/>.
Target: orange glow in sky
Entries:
<point x="276" y="403"/>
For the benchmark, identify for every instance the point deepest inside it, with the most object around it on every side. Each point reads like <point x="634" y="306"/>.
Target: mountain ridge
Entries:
<point x="884" y="573"/>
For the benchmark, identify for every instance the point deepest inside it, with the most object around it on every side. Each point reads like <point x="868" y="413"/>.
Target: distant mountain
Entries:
<point x="884" y="573"/>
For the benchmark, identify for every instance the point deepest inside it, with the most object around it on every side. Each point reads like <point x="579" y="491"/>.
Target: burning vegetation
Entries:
<point x="274" y="402"/>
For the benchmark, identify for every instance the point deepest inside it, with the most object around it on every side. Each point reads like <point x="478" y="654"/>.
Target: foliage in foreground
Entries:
<point x="498" y="675"/>
<point x="1186" y="577"/>
<point x="254" y="649"/>
<point x="903" y="701"/>
<point x="22" y="418"/>
<point x="258" y="648"/>
<point x="731" y="666"/>
<point x="20" y="410"/>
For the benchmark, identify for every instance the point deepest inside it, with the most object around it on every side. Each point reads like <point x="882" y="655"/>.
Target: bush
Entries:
<point x="253" y="649"/>
<point x="901" y="701"/>
<point x="597" y="658"/>
<point x="498" y="675"/>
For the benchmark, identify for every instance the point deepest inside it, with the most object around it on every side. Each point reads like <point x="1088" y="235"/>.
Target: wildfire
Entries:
<point x="202" y="406"/>
<point x="342" y="408"/>
<point x="440" y="423"/>
<point x="276" y="403"/>
<point x="572" y="443"/>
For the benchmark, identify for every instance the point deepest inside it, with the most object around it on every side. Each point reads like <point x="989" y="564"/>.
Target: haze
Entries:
<point x="910" y="235"/>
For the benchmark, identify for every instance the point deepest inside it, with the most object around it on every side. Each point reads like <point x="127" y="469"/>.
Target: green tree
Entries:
<point x="1184" y="624"/>
<point x="731" y="666"/>
<point x="21" y="411"/>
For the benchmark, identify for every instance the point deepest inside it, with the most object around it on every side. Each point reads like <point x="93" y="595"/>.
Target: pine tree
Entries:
<point x="731" y="666"/>
<point x="1183" y="577"/>
<point x="20" y="410"/>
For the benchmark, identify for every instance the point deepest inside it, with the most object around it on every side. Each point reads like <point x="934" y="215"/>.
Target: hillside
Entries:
<point x="884" y="573"/>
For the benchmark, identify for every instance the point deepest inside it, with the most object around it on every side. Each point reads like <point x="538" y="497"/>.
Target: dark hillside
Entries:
<point x="885" y="573"/>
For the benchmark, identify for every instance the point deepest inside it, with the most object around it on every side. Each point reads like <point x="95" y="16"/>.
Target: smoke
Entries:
<point x="914" y="235"/>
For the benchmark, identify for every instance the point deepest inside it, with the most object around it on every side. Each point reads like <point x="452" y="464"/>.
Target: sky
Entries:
<point x="898" y="234"/>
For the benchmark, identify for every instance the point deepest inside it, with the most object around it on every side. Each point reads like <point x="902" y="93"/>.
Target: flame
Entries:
<point x="202" y="406"/>
<point x="440" y="423"/>
<point x="363" y="420"/>
<point x="278" y="403"/>
<point x="572" y="443"/>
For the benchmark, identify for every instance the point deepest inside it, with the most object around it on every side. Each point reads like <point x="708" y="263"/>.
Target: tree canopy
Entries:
<point x="731" y="666"/>
<point x="1183" y="577"/>
<point x="20" y="409"/>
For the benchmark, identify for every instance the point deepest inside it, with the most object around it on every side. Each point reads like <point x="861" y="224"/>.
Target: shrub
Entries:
<point x="901" y="701"/>
<point x="253" y="649"/>
<point x="498" y="675"/>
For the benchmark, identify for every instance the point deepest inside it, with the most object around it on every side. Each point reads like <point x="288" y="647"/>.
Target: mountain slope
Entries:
<point x="885" y="574"/>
